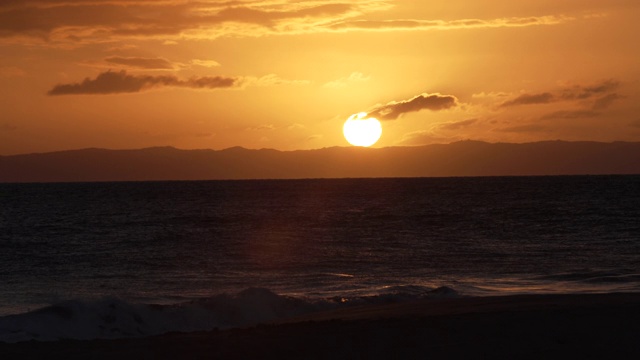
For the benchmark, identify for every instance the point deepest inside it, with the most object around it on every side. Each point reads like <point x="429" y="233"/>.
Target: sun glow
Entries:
<point x="360" y="131"/>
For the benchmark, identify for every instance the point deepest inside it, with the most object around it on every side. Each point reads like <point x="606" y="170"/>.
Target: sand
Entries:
<point x="593" y="326"/>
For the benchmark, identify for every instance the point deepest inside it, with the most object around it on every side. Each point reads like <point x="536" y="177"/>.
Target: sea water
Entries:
<point x="92" y="260"/>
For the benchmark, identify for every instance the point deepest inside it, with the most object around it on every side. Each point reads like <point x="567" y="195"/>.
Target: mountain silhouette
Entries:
<point x="464" y="158"/>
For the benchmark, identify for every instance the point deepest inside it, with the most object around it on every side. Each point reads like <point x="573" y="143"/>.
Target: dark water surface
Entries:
<point x="168" y="242"/>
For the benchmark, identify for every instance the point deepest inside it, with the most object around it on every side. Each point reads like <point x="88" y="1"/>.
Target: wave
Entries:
<point x="592" y="277"/>
<point x="111" y="318"/>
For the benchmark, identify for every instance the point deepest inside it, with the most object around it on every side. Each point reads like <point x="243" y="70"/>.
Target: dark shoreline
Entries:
<point x="520" y="326"/>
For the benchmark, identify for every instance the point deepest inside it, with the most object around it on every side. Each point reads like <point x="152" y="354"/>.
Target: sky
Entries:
<point x="128" y="74"/>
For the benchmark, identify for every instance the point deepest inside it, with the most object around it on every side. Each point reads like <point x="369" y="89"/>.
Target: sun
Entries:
<point x="360" y="131"/>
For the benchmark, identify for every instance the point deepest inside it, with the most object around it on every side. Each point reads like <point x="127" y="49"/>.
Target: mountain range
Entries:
<point x="464" y="158"/>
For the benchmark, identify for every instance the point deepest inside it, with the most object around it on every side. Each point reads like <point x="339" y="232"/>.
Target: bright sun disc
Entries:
<point x="360" y="131"/>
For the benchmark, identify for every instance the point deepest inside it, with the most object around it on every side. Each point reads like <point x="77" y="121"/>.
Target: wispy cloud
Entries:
<point x="205" y="63"/>
<point x="597" y="96"/>
<point x="345" y="81"/>
<point x="605" y="101"/>
<point x="78" y="22"/>
<point x="117" y="82"/>
<point x="272" y="80"/>
<point x="142" y="63"/>
<point x="417" y="24"/>
<point x="581" y="92"/>
<point x="458" y="124"/>
<point x="59" y="21"/>
<point x="111" y="82"/>
<point x="395" y="109"/>
<point x="571" y="114"/>
<point x="262" y="127"/>
<point x="528" y="99"/>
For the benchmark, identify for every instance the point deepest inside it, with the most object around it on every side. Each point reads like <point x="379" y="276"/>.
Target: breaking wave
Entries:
<point x="111" y="318"/>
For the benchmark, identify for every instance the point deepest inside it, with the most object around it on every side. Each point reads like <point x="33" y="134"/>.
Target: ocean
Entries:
<point x="119" y="259"/>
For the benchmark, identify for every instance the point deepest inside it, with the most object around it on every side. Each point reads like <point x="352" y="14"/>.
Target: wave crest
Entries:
<point x="111" y="318"/>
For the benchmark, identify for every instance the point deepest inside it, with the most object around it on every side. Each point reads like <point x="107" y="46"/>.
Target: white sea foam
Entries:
<point x="114" y="318"/>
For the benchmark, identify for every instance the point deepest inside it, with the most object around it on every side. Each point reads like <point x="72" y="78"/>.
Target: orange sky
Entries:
<point x="287" y="74"/>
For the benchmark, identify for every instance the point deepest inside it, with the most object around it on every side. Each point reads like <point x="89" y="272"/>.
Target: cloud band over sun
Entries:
<point x="393" y="110"/>
<point x="112" y="82"/>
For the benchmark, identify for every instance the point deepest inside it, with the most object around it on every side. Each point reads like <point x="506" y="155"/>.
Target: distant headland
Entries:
<point x="464" y="158"/>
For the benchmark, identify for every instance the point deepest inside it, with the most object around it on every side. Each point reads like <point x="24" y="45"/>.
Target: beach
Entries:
<point x="509" y="327"/>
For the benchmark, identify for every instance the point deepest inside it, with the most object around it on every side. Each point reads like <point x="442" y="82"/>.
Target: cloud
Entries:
<point x="416" y="24"/>
<point x="571" y="114"/>
<point x="579" y="92"/>
<point x="262" y="127"/>
<point x="342" y="82"/>
<point x="635" y="124"/>
<point x="273" y="80"/>
<point x="527" y="99"/>
<point x="142" y="63"/>
<point x="605" y="101"/>
<point x="576" y="93"/>
<point x="205" y="63"/>
<point x="58" y="21"/>
<point x="524" y="128"/>
<point x="395" y="109"/>
<point x="111" y="82"/>
<point x="117" y="82"/>
<point x="458" y="125"/>
<point x="77" y="22"/>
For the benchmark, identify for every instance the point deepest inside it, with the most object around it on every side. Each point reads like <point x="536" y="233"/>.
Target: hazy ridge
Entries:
<point x="464" y="158"/>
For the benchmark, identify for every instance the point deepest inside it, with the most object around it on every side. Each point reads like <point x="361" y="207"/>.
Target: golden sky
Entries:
<point x="286" y="74"/>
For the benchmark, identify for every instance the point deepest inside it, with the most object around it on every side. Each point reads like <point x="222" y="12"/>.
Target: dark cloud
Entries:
<point x="111" y="82"/>
<point x="86" y="21"/>
<point x="39" y="21"/>
<point x="598" y="96"/>
<point x="605" y="101"/>
<point x="571" y="114"/>
<point x="585" y="92"/>
<point x="527" y="99"/>
<point x="635" y="124"/>
<point x="141" y="63"/>
<point x="395" y="109"/>
<point x="458" y="125"/>
<point x="101" y="19"/>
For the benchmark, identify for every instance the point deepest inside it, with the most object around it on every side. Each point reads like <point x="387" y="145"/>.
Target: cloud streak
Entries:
<point x="571" y="114"/>
<point x="345" y="81"/>
<point x="415" y="24"/>
<point x="393" y="110"/>
<point x="108" y="20"/>
<point x="94" y="21"/>
<point x="141" y="63"/>
<point x="598" y="96"/>
<point x="111" y="82"/>
<point x="458" y="124"/>
<point x="528" y="99"/>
